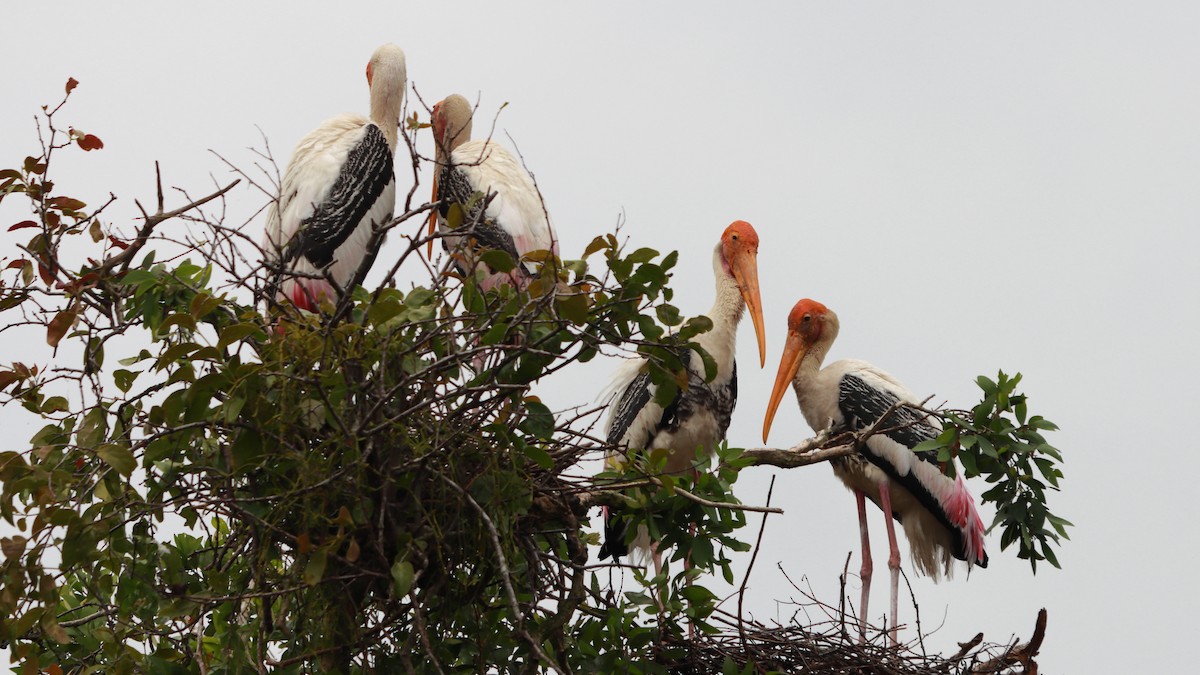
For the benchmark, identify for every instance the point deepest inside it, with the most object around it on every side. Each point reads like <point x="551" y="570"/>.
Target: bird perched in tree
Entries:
<point x="338" y="187"/>
<point x="508" y="215"/>
<point x="937" y="512"/>
<point x="698" y="417"/>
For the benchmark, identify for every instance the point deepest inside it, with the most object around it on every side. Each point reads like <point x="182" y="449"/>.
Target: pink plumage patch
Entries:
<point x="960" y="508"/>
<point x="307" y="294"/>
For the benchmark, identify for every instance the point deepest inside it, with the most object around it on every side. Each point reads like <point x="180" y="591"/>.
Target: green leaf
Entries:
<point x="402" y="578"/>
<point x="118" y="457"/>
<point x="54" y="404"/>
<point x="93" y="428"/>
<point x="314" y="571"/>
<point x="969" y="465"/>
<point x="539" y="421"/>
<point x="573" y="308"/>
<point x="598" y="244"/>
<point x="236" y="333"/>
<point x="124" y="379"/>
<point x="498" y="260"/>
<point x="642" y="255"/>
<point x="668" y="315"/>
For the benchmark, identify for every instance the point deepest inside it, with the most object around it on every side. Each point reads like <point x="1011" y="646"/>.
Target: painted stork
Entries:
<point x="338" y="186"/>
<point x="699" y="416"/>
<point x="509" y="217"/>
<point x="937" y="512"/>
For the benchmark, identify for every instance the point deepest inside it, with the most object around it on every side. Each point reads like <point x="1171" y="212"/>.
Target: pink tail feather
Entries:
<point x="960" y="507"/>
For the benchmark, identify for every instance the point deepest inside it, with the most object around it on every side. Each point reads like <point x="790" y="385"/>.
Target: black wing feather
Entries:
<point x="367" y="171"/>
<point x="633" y="400"/>
<point x="455" y="188"/>
<point x="861" y="404"/>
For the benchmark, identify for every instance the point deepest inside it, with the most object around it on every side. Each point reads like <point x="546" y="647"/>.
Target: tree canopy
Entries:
<point x="224" y="484"/>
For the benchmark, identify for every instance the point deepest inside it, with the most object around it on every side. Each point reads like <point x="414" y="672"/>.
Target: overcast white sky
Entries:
<point x="970" y="188"/>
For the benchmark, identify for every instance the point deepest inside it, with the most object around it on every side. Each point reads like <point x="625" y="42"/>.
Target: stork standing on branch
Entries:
<point x="698" y="417"/>
<point x="505" y="211"/>
<point x="937" y="512"/>
<point x="338" y="188"/>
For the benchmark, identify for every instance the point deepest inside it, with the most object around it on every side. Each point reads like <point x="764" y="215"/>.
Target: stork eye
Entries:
<point x="734" y="236"/>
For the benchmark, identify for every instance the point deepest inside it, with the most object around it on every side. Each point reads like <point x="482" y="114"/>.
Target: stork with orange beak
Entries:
<point x="937" y="512"/>
<point x="694" y="423"/>
<point x="510" y="217"/>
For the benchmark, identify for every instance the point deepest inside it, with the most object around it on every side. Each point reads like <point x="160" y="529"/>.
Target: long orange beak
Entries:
<point x="745" y="273"/>
<point x="432" y="215"/>
<point x="793" y="353"/>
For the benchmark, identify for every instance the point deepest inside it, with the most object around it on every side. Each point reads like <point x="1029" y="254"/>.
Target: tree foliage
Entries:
<point x="223" y="484"/>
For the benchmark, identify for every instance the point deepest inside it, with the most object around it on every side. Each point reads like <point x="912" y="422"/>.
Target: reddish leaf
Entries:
<point x="32" y="165"/>
<point x="22" y="225"/>
<point x="90" y="142"/>
<point x="59" y="326"/>
<point x="44" y="273"/>
<point x="74" y="287"/>
<point x="13" y="548"/>
<point x="304" y="544"/>
<point x="66" y="203"/>
<point x="7" y="377"/>
<point x="19" y="262"/>
<point x="117" y="242"/>
<point x="71" y="84"/>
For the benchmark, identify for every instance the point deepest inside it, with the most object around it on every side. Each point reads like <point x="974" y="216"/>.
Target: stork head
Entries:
<point x="387" y="65"/>
<point x="812" y="327"/>
<point x="739" y="258"/>
<point x="451" y="123"/>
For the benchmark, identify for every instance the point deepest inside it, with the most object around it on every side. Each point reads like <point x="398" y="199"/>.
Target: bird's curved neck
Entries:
<point x="386" y="102"/>
<point x="729" y="305"/>
<point x="809" y="370"/>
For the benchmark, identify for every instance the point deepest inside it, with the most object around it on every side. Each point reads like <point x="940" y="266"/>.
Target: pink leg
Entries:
<point x="865" y="572"/>
<point x="893" y="558"/>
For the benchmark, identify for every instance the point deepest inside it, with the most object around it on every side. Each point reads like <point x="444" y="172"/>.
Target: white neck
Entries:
<point x="726" y="313"/>
<point x="387" y="97"/>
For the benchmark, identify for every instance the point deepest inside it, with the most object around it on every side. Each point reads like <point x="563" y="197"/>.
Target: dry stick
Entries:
<point x="609" y="495"/>
<point x="842" y="595"/>
<point x="412" y="595"/>
<point x="965" y="648"/>
<point x="754" y="556"/>
<point x="916" y="609"/>
<point x="124" y="258"/>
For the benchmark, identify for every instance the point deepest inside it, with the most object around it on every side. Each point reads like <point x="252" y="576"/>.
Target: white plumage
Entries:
<point x="937" y="512"/>
<point x="515" y="219"/>
<point x="930" y="543"/>
<point x="337" y="187"/>
<point x="695" y="422"/>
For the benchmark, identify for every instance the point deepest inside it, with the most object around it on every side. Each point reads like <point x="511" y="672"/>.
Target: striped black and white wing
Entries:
<point x="863" y="400"/>
<point x="634" y="420"/>
<point x="361" y="181"/>
<point x="864" y="397"/>
<point x="511" y="217"/>
<point x="456" y="187"/>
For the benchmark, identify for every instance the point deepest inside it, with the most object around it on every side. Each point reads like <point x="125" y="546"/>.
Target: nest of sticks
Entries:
<point x="835" y="647"/>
